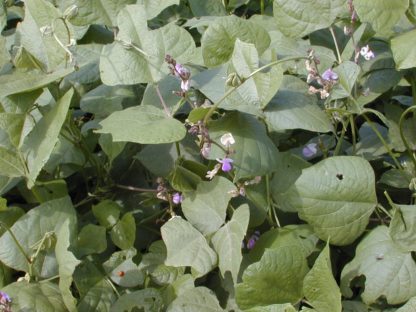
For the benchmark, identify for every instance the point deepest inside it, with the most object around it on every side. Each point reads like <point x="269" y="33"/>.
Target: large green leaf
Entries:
<point x="199" y="299"/>
<point x="99" y="298"/>
<point x="294" y="108"/>
<point x="47" y="51"/>
<point x="320" y="288"/>
<point x="154" y="7"/>
<point x="298" y="18"/>
<point x="11" y="164"/>
<point x="381" y="14"/>
<point x="227" y="242"/>
<point x="123" y="233"/>
<point x="143" y="124"/>
<point x="48" y="217"/>
<point x="256" y="92"/>
<point x="403" y="52"/>
<point x="145" y="60"/>
<point x="206" y="207"/>
<point x="348" y="73"/>
<point x="410" y="306"/>
<point x="45" y="297"/>
<point x="39" y="144"/>
<point x="187" y="247"/>
<point x="98" y="11"/>
<point x="255" y="154"/>
<point x="336" y="197"/>
<point x="276" y="278"/>
<point x="285" y="307"/>
<point x="148" y="299"/>
<point x="66" y="262"/>
<point x="218" y="40"/>
<point x="402" y="227"/>
<point x="389" y="271"/>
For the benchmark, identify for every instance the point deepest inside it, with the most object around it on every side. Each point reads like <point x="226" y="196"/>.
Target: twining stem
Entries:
<point x="331" y="29"/>
<point x="405" y="142"/>
<point x="231" y="90"/>
<point x="162" y="101"/>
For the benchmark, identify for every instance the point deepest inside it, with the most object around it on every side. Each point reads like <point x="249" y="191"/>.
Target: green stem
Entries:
<point x="340" y="140"/>
<point x="135" y="189"/>
<point x="331" y="29"/>
<point x="262" y="7"/>
<point x="353" y="134"/>
<point x="383" y="141"/>
<point x="178" y="149"/>
<point x="231" y="90"/>
<point x="162" y="101"/>
<point x="112" y="286"/>
<point x="405" y="142"/>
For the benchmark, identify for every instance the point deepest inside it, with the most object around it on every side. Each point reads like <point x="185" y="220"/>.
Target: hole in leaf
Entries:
<point x="340" y="176"/>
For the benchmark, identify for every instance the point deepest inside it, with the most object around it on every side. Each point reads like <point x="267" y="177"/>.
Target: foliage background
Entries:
<point x="105" y="150"/>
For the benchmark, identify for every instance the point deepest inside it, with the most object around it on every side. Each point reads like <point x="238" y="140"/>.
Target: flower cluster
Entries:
<point x="178" y="70"/>
<point x="226" y="163"/>
<point x="5" y="302"/>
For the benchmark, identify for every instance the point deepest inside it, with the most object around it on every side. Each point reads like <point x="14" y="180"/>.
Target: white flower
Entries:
<point x="364" y="50"/>
<point x="227" y="139"/>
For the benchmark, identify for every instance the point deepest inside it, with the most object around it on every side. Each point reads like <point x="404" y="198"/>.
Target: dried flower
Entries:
<point x="227" y="139"/>
<point x="177" y="198"/>
<point x="5" y="302"/>
<point x="206" y="149"/>
<point x="226" y="164"/>
<point x="212" y="173"/>
<point x="309" y="150"/>
<point x="329" y="75"/>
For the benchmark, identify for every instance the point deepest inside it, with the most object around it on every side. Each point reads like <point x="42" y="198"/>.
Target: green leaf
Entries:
<point x="143" y="124"/>
<point x="39" y="144"/>
<point x="148" y="299"/>
<point x="218" y="40"/>
<point x="276" y="278"/>
<point x="227" y="242"/>
<point x="144" y="60"/>
<point x="299" y="18"/>
<point x="19" y="81"/>
<point x="336" y="197"/>
<point x="48" y="217"/>
<point x="347" y="76"/>
<point x="381" y="14"/>
<point x="67" y="263"/>
<point x="130" y="275"/>
<point x="11" y="164"/>
<point x="88" y="246"/>
<point x="404" y="53"/>
<point x="206" y="208"/>
<point x="187" y="247"/>
<point x="123" y="234"/>
<point x="98" y="11"/>
<point x="46" y="49"/>
<point x="199" y="299"/>
<point x="389" y="271"/>
<point x="256" y="92"/>
<point x="207" y="8"/>
<point x="319" y="286"/>
<point x="154" y="7"/>
<point x="255" y="154"/>
<point x="294" y="108"/>
<point x="107" y="212"/>
<point x="98" y="298"/>
<point x="43" y="296"/>
<point x="285" y="307"/>
<point x="402" y="227"/>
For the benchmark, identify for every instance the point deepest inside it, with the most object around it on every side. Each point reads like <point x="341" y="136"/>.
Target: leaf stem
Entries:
<point x="162" y="101"/>
<point x="331" y="29"/>
<point x="231" y="90"/>
<point x="405" y="142"/>
<point x="353" y="134"/>
<point x="340" y="140"/>
<point x="135" y="189"/>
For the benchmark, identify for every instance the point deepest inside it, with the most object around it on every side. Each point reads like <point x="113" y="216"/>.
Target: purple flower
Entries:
<point x="182" y="72"/>
<point x="253" y="239"/>
<point x="177" y="198"/>
<point x="309" y="150"/>
<point x="329" y="75"/>
<point x="227" y="164"/>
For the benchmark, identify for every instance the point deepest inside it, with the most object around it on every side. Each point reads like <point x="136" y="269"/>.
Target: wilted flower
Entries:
<point x="309" y="150"/>
<point x="212" y="173"/>
<point x="227" y="139"/>
<point x="177" y="198"/>
<point x="329" y="75"/>
<point x="226" y="164"/>
<point x="367" y="53"/>
<point x="206" y="149"/>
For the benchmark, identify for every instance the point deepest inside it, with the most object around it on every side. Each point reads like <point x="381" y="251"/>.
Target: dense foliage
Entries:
<point x="235" y="155"/>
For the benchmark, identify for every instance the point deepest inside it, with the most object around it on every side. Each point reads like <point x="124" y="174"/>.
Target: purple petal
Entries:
<point x="329" y="75"/>
<point x="309" y="150"/>
<point x="177" y="198"/>
<point x="226" y="164"/>
<point x="251" y="243"/>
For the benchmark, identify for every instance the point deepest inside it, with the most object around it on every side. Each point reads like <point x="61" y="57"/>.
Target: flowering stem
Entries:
<point x="405" y="142"/>
<point x="331" y="29"/>
<point x="162" y="101"/>
<point x="231" y="90"/>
